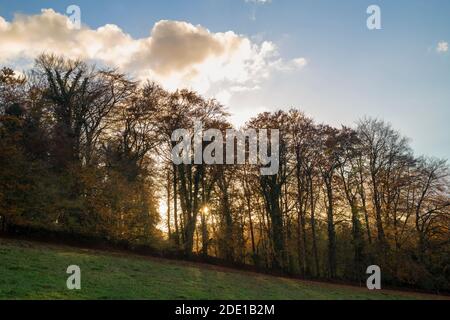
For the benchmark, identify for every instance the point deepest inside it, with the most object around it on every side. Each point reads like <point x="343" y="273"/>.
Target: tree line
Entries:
<point x="87" y="151"/>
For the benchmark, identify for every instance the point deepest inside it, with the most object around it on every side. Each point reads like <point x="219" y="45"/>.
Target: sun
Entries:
<point x="162" y="207"/>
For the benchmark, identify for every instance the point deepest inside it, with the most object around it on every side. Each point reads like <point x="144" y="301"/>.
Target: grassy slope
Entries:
<point x="37" y="271"/>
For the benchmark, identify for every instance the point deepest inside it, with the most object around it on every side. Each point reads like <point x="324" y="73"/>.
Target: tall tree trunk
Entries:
<point x="358" y="242"/>
<point x="252" y="233"/>
<point x="301" y="236"/>
<point x="205" y="237"/>
<point x="362" y="194"/>
<point x="272" y="192"/>
<point x="175" y="206"/>
<point x="331" y="229"/>
<point x="313" y="227"/>
<point x="228" y="227"/>
<point x="366" y="217"/>
<point x="378" y="213"/>
<point x="278" y="238"/>
<point x="189" y="196"/>
<point x="169" y="231"/>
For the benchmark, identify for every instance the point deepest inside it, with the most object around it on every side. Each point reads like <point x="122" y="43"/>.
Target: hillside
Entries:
<point x="31" y="270"/>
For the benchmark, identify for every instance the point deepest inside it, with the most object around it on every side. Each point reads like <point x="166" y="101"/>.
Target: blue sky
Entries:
<point x="394" y="73"/>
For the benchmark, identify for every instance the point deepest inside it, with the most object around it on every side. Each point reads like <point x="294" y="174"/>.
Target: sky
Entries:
<point x="262" y="55"/>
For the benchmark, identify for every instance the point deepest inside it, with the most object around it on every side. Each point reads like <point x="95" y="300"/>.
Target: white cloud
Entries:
<point x="289" y="66"/>
<point x="255" y="3"/>
<point x="177" y="54"/>
<point x="259" y="1"/>
<point x="442" y="47"/>
<point x="300" y="62"/>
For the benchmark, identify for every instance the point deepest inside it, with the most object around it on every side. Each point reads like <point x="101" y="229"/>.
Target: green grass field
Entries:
<point x="30" y="270"/>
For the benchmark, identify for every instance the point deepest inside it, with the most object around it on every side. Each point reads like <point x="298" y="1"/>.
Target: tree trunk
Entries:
<point x="169" y="231"/>
<point x="175" y="206"/>
<point x="331" y="230"/>
<point x="313" y="227"/>
<point x="301" y="235"/>
<point x="252" y="234"/>
<point x="362" y="194"/>
<point x="378" y="213"/>
<point x="358" y="243"/>
<point x="205" y="237"/>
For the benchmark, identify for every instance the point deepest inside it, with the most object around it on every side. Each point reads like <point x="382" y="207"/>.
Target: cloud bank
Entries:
<point x="176" y="54"/>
